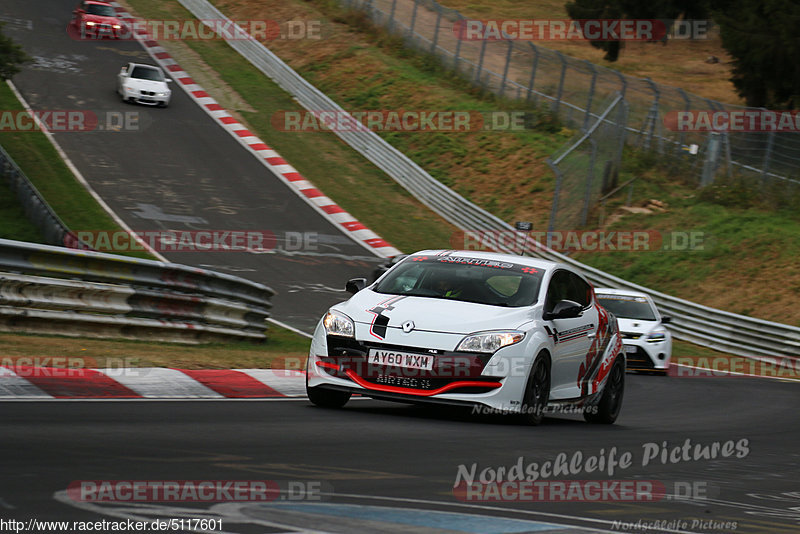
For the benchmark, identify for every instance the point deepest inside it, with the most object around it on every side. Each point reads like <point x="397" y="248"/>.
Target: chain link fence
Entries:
<point x="587" y="167"/>
<point x="575" y="89"/>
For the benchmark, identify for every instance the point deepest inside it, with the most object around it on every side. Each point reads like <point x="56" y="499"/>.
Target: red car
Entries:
<point x="96" y="19"/>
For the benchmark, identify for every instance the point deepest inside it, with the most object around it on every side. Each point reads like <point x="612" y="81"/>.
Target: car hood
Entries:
<point x="433" y="314"/>
<point x="637" y="326"/>
<point x="147" y="85"/>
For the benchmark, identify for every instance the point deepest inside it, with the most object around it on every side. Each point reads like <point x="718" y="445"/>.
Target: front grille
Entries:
<point x="638" y="359"/>
<point x="148" y="93"/>
<point x="630" y="335"/>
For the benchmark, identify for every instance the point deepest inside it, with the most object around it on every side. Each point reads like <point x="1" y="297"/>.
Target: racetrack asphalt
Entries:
<point x="376" y="454"/>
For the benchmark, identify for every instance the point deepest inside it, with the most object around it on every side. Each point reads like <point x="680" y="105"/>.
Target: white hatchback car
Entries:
<point x="145" y="84"/>
<point x="648" y="344"/>
<point x="501" y="333"/>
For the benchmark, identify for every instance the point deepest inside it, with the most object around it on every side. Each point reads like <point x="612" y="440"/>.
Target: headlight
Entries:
<point x="657" y="336"/>
<point x="162" y="94"/>
<point x="116" y="26"/>
<point x="90" y="23"/>
<point x="338" y="324"/>
<point x="489" y="341"/>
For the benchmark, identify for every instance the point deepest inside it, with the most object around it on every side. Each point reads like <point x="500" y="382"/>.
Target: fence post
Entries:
<point x="623" y="82"/>
<point x="391" y="16"/>
<point x="587" y="198"/>
<point x="591" y="94"/>
<point x="436" y="30"/>
<point x="682" y="136"/>
<point x="458" y="43"/>
<point x="556" y="193"/>
<point x="534" y="66"/>
<point x="413" y="19"/>
<point x="560" y="82"/>
<point x="767" y="156"/>
<point x="480" y="62"/>
<point x="652" y="115"/>
<point x="505" y="70"/>
<point x="712" y="159"/>
<point x="622" y="127"/>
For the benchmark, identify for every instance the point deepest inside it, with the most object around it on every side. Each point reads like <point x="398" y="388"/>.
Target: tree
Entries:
<point x="11" y="56"/>
<point x="633" y="9"/>
<point x="761" y="35"/>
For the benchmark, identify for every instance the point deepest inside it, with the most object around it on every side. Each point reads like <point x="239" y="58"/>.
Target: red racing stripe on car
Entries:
<point x="74" y="383"/>
<point x="419" y="392"/>
<point x="229" y="383"/>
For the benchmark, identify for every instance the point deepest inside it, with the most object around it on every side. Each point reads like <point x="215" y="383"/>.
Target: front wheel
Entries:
<point x="607" y="410"/>
<point x="327" y="398"/>
<point x="537" y="392"/>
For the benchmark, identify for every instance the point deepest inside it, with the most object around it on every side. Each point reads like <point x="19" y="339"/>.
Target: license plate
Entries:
<point x="630" y="348"/>
<point x="401" y="359"/>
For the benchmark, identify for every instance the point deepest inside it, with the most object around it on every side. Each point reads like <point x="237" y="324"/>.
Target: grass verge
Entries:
<point x="283" y="349"/>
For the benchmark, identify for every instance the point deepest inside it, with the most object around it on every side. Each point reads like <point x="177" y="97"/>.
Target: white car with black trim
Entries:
<point x="145" y="84"/>
<point x="509" y="334"/>
<point x="647" y="342"/>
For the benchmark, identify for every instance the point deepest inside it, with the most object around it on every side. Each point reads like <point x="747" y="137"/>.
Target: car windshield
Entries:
<point x="147" y="73"/>
<point x="493" y="282"/>
<point x="626" y="307"/>
<point x="100" y="10"/>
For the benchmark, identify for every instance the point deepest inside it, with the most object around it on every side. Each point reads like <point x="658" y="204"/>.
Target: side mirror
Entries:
<point x="666" y="319"/>
<point x="565" y="309"/>
<point x="168" y="80"/>
<point x="355" y="285"/>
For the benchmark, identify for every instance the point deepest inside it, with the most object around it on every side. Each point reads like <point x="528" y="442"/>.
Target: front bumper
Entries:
<point x="642" y="355"/>
<point x="101" y="31"/>
<point x="457" y="378"/>
<point x="150" y="98"/>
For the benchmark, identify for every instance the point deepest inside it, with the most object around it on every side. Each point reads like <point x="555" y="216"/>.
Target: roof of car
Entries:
<point x="103" y="2"/>
<point x="145" y="65"/>
<point x="511" y="258"/>
<point x="623" y="292"/>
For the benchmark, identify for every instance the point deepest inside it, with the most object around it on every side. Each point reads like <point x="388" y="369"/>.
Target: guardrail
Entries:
<point x="717" y="329"/>
<point x="49" y="289"/>
<point x="36" y="207"/>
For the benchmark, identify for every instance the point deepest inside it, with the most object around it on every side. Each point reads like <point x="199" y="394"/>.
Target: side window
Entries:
<point x="580" y="291"/>
<point x="558" y="290"/>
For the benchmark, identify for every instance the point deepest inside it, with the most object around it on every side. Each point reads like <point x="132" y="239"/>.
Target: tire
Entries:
<point x="537" y="392"/>
<point x="611" y="401"/>
<point x="327" y="398"/>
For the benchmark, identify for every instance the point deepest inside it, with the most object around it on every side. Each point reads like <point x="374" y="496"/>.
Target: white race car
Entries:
<point x="145" y="84"/>
<point x="505" y="334"/>
<point x="648" y="344"/>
